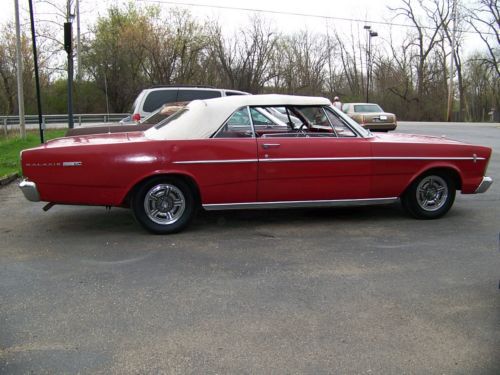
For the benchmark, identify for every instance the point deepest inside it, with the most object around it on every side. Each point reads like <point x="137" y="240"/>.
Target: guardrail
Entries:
<point x="57" y="119"/>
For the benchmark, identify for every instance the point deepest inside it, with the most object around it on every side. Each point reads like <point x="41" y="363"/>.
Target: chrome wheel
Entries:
<point x="432" y="193"/>
<point x="164" y="204"/>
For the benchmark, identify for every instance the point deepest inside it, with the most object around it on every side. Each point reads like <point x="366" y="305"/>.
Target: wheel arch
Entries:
<point x="185" y="177"/>
<point x="451" y="170"/>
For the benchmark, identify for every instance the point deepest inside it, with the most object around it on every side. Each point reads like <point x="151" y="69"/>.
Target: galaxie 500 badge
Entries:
<point x="56" y="164"/>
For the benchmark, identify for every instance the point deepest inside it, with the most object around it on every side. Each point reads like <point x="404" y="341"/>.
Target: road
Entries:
<point x="357" y="291"/>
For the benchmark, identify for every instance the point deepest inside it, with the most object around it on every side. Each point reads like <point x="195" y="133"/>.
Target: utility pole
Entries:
<point x="68" y="46"/>
<point x="78" y="45"/>
<point x="19" y="68"/>
<point x="41" y="125"/>
<point x="449" y="111"/>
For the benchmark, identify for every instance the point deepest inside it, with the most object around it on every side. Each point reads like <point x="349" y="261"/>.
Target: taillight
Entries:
<point x="136" y="117"/>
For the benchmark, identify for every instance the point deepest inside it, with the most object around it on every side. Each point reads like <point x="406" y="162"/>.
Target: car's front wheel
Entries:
<point x="163" y="205"/>
<point x="430" y="196"/>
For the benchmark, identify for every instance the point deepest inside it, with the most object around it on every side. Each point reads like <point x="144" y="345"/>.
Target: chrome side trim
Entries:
<point x="354" y="158"/>
<point x="300" y="204"/>
<point x="286" y="160"/>
<point x="224" y="161"/>
<point x="29" y="190"/>
<point x="484" y="185"/>
<point x="426" y="158"/>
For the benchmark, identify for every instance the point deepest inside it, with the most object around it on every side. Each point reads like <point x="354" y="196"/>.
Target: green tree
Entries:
<point x="114" y="59"/>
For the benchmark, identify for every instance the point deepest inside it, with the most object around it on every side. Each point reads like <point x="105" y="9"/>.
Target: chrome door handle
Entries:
<point x="270" y="145"/>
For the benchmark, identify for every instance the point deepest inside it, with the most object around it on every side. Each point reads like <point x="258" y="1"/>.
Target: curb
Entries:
<point x="8" y="179"/>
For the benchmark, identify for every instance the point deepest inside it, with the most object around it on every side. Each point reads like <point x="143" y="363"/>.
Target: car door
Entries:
<point x="313" y="166"/>
<point x="225" y="165"/>
<point x="225" y="169"/>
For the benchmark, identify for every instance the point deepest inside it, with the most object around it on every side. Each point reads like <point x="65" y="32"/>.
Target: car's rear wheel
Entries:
<point x="430" y="196"/>
<point x="163" y="205"/>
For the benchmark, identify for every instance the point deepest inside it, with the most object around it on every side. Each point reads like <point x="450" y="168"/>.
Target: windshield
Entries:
<point x="353" y="124"/>
<point x="367" y="108"/>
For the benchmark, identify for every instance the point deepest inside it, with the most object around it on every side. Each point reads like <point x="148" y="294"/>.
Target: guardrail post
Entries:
<point x="5" y="125"/>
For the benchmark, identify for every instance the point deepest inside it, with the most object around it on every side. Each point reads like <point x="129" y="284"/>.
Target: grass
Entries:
<point x="11" y="144"/>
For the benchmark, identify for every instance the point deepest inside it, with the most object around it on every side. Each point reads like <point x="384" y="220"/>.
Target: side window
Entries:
<point x="232" y="93"/>
<point x="286" y="116"/>
<point x="340" y="127"/>
<point x="259" y="119"/>
<point x="237" y="126"/>
<point x="316" y="116"/>
<point x="188" y="95"/>
<point x="155" y="99"/>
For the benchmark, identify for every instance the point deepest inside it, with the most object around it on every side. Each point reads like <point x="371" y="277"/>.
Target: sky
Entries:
<point x="361" y="9"/>
<point x="372" y="11"/>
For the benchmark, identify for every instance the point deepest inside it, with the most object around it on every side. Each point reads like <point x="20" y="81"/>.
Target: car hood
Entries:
<point x="414" y="138"/>
<point x="95" y="139"/>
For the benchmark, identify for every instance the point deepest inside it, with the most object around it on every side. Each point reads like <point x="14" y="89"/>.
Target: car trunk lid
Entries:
<point x="95" y="139"/>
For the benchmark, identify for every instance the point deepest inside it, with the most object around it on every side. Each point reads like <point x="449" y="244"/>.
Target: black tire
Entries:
<point x="164" y="205"/>
<point x="430" y="196"/>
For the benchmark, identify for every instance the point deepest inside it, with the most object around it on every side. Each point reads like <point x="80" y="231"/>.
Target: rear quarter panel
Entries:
<point x="90" y="174"/>
<point x="103" y="174"/>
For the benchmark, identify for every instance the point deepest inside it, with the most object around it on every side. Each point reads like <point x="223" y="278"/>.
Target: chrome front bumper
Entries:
<point x="29" y="190"/>
<point x="484" y="185"/>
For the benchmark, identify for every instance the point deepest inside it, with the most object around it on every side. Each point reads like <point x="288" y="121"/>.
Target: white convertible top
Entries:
<point x="203" y="117"/>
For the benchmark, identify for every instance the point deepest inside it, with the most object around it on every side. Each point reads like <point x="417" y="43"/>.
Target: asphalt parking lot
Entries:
<point x="364" y="291"/>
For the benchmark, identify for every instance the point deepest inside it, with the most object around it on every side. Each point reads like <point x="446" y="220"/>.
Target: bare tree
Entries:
<point x="8" y="87"/>
<point x="482" y="88"/>
<point x="427" y="35"/>
<point x="401" y="83"/>
<point x="445" y="19"/>
<point x="350" y="58"/>
<point x="172" y="47"/>
<point x="245" y="59"/>
<point x="484" y="18"/>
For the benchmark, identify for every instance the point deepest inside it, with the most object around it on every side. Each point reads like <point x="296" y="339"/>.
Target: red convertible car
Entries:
<point x="261" y="151"/>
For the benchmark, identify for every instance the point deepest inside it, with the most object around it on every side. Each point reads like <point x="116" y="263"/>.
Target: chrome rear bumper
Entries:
<point x="484" y="185"/>
<point x="29" y="190"/>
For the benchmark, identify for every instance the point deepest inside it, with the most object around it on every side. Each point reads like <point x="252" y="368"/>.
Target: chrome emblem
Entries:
<point x="56" y="164"/>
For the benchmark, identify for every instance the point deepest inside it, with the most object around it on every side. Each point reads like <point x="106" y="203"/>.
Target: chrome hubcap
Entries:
<point x="432" y="193"/>
<point x="164" y="204"/>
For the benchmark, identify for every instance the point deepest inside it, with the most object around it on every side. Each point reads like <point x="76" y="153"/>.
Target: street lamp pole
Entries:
<point x="370" y="34"/>
<point x="449" y="107"/>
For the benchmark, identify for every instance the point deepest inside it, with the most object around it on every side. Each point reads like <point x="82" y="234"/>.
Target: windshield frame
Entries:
<point x="363" y="132"/>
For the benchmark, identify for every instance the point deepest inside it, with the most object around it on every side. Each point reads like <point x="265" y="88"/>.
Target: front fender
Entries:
<point x="438" y="165"/>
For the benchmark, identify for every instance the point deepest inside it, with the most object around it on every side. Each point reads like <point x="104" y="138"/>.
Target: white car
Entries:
<point x="149" y="100"/>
